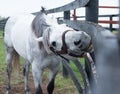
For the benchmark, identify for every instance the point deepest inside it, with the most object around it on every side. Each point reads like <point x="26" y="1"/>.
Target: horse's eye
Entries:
<point x="77" y="42"/>
<point x="54" y="43"/>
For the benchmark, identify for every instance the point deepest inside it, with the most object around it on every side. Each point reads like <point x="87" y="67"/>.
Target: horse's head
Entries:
<point x="68" y="40"/>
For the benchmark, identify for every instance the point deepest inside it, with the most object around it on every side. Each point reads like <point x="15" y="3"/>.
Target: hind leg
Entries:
<point x="53" y="72"/>
<point x="26" y="74"/>
<point x="9" y="58"/>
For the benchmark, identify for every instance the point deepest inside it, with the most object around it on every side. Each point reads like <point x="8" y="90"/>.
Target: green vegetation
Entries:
<point x="61" y="83"/>
<point x="2" y="56"/>
<point x="2" y="48"/>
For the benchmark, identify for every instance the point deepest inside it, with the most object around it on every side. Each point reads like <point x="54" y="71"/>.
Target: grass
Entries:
<point x="2" y="49"/>
<point x="2" y="57"/>
<point x="60" y="82"/>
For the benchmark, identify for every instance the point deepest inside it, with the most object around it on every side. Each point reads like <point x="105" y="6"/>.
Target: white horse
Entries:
<point x="33" y="37"/>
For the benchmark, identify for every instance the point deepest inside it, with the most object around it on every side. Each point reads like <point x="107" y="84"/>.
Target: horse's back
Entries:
<point x="12" y="21"/>
<point x="17" y="30"/>
<point x="8" y="29"/>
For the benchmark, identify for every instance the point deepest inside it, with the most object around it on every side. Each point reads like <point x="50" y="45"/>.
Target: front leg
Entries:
<point x="53" y="72"/>
<point x="26" y="75"/>
<point x="37" y="76"/>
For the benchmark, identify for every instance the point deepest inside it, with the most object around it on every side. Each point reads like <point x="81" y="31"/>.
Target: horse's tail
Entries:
<point x="16" y="63"/>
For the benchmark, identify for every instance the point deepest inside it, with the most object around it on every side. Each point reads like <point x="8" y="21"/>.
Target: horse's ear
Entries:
<point x="43" y="10"/>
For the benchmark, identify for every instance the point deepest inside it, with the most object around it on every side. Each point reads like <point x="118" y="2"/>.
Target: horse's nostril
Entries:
<point x="53" y="43"/>
<point x="80" y="46"/>
<point x="77" y="42"/>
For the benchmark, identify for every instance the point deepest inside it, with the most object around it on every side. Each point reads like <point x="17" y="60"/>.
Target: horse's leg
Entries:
<point x="37" y="76"/>
<point x="9" y="58"/>
<point x="26" y="74"/>
<point x="53" y="72"/>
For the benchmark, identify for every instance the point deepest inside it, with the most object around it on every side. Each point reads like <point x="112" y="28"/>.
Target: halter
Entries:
<point x="64" y="48"/>
<point x="88" y="48"/>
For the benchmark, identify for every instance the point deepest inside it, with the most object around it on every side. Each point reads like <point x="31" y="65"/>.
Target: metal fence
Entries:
<point x="110" y="22"/>
<point x="2" y="23"/>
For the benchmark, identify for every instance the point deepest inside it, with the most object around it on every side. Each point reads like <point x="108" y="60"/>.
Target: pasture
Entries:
<point x="62" y="85"/>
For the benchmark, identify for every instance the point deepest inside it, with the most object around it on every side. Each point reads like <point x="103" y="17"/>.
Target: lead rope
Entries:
<point x="56" y="53"/>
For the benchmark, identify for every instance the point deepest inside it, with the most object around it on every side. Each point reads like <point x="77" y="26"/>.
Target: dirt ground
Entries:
<point x="18" y="86"/>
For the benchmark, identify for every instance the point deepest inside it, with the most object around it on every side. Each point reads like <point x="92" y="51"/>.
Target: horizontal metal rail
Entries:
<point x="108" y="22"/>
<point x="109" y="7"/>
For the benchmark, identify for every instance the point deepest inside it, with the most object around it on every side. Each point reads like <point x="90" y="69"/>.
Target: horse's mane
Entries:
<point x="41" y="28"/>
<point x="38" y="22"/>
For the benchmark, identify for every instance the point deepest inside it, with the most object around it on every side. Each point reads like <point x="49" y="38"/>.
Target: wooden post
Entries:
<point x="67" y="15"/>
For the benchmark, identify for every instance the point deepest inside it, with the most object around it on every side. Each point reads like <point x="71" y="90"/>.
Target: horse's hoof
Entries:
<point x="8" y="92"/>
<point x="27" y="92"/>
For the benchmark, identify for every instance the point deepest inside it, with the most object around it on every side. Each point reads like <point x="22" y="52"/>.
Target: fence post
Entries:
<point x="92" y="11"/>
<point x="67" y="15"/>
<point x="111" y="26"/>
<point x="91" y="15"/>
